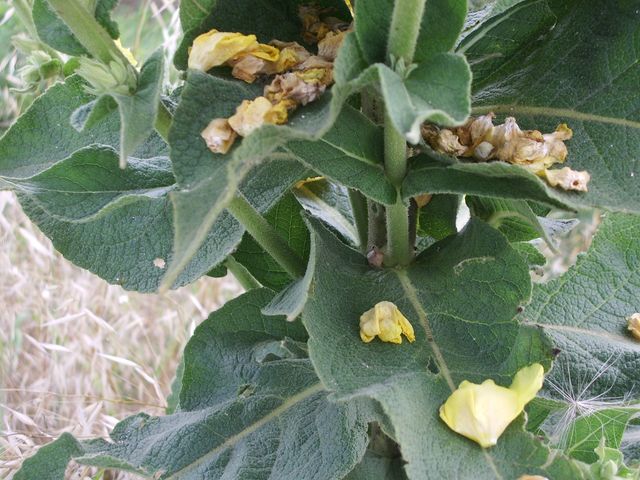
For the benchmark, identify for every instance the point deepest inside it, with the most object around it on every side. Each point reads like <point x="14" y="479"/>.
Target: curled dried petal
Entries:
<point x="328" y="47"/>
<point x="219" y="135"/>
<point x="252" y="114"/>
<point x="290" y="86"/>
<point x="568" y="179"/>
<point x="215" y="48"/>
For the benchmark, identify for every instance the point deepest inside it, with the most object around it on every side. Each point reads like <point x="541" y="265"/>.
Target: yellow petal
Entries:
<point x="266" y="52"/>
<point x="480" y="412"/>
<point x="386" y="322"/>
<point x="215" y="48"/>
<point x="528" y="382"/>
<point x="252" y="114"/>
<point x="483" y="412"/>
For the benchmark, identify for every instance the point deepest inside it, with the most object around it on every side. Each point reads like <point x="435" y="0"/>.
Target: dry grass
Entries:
<point x="76" y="354"/>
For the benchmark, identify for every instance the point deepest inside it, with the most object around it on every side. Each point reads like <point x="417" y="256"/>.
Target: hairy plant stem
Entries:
<point x="267" y="236"/>
<point x="403" y="38"/>
<point x="243" y="275"/>
<point x="399" y="248"/>
<point x="100" y="45"/>
<point x="361" y="216"/>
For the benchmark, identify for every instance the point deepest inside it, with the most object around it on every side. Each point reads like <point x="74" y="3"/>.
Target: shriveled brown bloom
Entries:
<point x="531" y="149"/>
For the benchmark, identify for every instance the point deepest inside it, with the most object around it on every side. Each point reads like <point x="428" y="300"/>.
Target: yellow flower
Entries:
<point x="219" y="135"/>
<point x="252" y="114"/>
<point x="385" y="321"/>
<point x="483" y="412"/>
<point x="633" y="325"/>
<point x="215" y="48"/>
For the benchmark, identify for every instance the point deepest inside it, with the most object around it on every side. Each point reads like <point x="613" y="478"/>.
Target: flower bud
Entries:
<point x="103" y="79"/>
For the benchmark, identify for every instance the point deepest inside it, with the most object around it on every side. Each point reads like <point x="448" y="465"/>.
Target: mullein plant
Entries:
<point x="322" y="153"/>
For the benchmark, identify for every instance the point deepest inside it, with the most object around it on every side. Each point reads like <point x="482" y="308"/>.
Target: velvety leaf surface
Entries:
<point x="461" y="295"/>
<point x="330" y="203"/>
<point x="138" y="112"/>
<point x="431" y="173"/>
<point x="557" y="76"/>
<point x="514" y="218"/>
<point x="583" y="436"/>
<point x="441" y="24"/>
<point x="351" y="153"/>
<point x="210" y="181"/>
<point x="116" y="223"/>
<point x="584" y="313"/>
<point x="251" y="407"/>
<point x="435" y="452"/>
<point x="53" y="31"/>
<point x="437" y="219"/>
<point x="500" y="33"/>
<point x="377" y="467"/>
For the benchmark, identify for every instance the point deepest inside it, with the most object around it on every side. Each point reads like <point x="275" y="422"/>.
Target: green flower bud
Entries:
<point x="103" y="79"/>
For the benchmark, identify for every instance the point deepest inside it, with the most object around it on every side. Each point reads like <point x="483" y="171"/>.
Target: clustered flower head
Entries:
<point x="386" y="322"/>
<point x="483" y="412"/>
<point x="299" y="77"/>
<point x="480" y="139"/>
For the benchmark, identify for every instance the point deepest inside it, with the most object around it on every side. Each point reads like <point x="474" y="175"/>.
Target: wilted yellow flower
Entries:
<point x="292" y="54"/>
<point x="215" y="48"/>
<point x="633" y="325"/>
<point x="268" y="60"/>
<point x="483" y="412"/>
<point x="567" y="179"/>
<point x="219" y="135"/>
<point x="252" y="114"/>
<point x="530" y="149"/>
<point x="328" y="47"/>
<point x="385" y="321"/>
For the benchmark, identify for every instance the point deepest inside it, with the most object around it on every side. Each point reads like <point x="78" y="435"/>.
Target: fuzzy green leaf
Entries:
<point x="468" y="287"/>
<point x="441" y="24"/>
<point x="584" y="313"/>
<point x="583" y="436"/>
<point x="53" y="31"/>
<point x="543" y="80"/>
<point x="70" y="185"/>
<point x="271" y="418"/>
